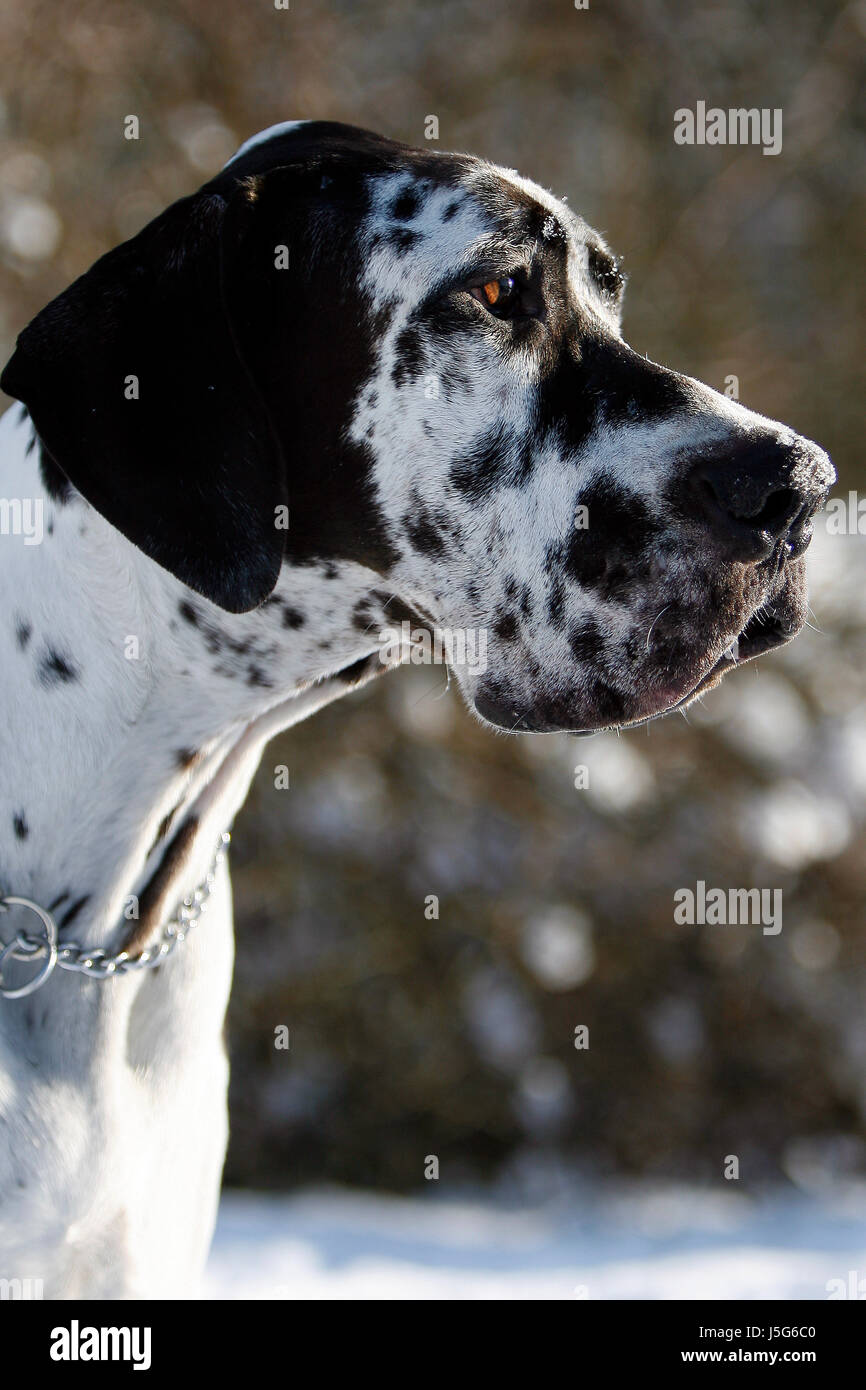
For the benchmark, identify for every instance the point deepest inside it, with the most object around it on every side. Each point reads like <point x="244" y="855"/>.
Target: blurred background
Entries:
<point x="455" y="1038"/>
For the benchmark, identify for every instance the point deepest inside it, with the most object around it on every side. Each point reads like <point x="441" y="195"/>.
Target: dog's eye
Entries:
<point x="501" y="297"/>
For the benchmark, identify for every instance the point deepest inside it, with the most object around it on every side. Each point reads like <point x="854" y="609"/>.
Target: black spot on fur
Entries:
<point x="409" y="356"/>
<point x="585" y="640"/>
<point x="362" y="616"/>
<point x="608" y="702"/>
<point x="505" y="626"/>
<point x="401" y="239"/>
<point x="423" y="535"/>
<point x="23" y="633"/>
<point x="601" y="379"/>
<point x="606" y="556"/>
<point x="405" y="205"/>
<point x="556" y="602"/>
<point x="185" y="757"/>
<point x="476" y="471"/>
<point x="451" y="210"/>
<point x="256" y="676"/>
<point x="54" y="669"/>
<point x="188" y="613"/>
<point x="293" y="617"/>
<point x="20" y="826"/>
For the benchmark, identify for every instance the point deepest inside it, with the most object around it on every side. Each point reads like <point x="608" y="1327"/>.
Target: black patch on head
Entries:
<point x="293" y="617"/>
<point x="505" y="626"/>
<point x="409" y="356"/>
<point x="188" y="613"/>
<point x="401" y="239"/>
<point x="451" y="210"/>
<point x="608" y="702"/>
<point x="556" y="602"/>
<point x="405" y="205"/>
<point x="185" y="757"/>
<point x="585" y="640"/>
<point x="54" y="669"/>
<point x="20" y="826"/>
<point x="597" y="378"/>
<point x="606" y="556"/>
<point x="23" y="633"/>
<point x="477" y="470"/>
<point x="423" y="535"/>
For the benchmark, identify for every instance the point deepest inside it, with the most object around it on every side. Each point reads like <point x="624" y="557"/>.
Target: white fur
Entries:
<point x="112" y="1095"/>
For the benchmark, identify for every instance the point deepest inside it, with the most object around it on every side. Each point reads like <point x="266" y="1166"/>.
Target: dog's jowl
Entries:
<point x="346" y="389"/>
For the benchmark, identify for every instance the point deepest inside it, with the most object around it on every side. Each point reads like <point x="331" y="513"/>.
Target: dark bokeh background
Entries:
<point x="454" y="1036"/>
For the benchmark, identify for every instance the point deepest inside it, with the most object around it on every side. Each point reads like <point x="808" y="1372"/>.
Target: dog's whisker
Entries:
<point x="653" y="623"/>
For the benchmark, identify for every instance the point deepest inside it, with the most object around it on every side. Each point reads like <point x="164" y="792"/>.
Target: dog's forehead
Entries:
<point x="427" y="220"/>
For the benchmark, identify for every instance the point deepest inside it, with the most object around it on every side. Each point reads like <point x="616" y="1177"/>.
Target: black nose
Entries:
<point x="761" y="493"/>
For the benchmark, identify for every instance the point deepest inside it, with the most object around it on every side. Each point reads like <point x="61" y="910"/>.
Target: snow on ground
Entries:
<point x="638" y="1244"/>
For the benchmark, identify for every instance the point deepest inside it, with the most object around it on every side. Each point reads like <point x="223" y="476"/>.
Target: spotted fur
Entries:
<point x="433" y="458"/>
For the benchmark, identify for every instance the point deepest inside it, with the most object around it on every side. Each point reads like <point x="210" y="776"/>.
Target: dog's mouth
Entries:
<point x="765" y="630"/>
<point x="772" y="625"/>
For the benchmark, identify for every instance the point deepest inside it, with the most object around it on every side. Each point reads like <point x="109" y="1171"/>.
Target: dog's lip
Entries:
<point x="759" y="635"/>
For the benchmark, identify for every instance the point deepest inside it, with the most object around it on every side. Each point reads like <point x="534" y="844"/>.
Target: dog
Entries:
<point x="346" y="384"/>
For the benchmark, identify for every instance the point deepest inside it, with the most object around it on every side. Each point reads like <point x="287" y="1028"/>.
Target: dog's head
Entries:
<point x="419" y="355"/>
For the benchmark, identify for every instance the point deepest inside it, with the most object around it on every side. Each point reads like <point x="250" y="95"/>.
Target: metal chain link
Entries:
<point x="94" y="961"/>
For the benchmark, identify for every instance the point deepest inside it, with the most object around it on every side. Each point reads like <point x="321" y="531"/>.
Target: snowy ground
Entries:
<point x="647" y="1244"/>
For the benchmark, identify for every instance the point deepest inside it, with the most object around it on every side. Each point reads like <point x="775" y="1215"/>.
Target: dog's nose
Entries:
<point x="761" y="493"/>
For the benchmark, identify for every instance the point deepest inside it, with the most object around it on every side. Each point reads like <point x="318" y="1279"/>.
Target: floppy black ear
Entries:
<point x="137" y="389"/>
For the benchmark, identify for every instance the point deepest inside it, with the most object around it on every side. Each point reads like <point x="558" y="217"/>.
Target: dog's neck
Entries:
<point x="137" y="710"/>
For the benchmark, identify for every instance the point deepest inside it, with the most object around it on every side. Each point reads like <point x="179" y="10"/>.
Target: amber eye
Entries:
<point x="501" y="296"/>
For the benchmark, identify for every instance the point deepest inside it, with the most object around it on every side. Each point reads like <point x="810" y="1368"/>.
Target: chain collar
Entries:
<point x="95" y="963"/>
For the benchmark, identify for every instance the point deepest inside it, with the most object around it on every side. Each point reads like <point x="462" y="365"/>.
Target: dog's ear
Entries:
<point x="139" y="391"/>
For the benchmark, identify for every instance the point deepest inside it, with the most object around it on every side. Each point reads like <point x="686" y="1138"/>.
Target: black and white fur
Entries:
<point x="433" y="456"/>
